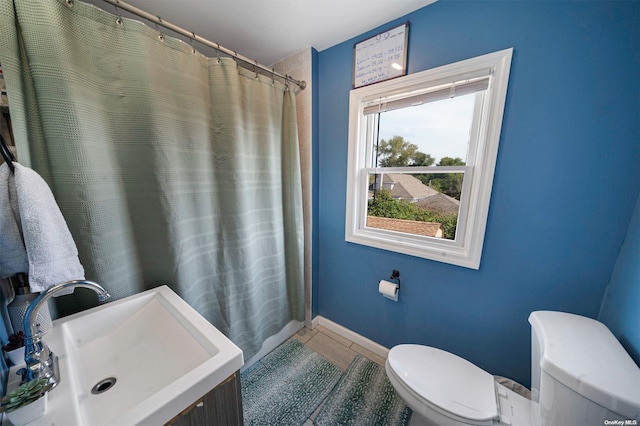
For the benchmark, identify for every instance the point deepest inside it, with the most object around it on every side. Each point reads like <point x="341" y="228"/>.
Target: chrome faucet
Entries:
<point x="41" y="362"/>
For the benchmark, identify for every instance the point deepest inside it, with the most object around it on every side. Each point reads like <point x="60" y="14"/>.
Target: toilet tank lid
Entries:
<point x="585" y="356"/>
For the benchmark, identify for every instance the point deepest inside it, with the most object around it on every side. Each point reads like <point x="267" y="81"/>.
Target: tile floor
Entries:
<point x="336" y="349"/>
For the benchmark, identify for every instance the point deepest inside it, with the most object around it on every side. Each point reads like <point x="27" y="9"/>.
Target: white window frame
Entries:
<point x="466" y="249"/>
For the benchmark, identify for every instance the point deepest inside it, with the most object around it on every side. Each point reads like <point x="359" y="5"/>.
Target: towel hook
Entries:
<point x="7" y="155"/>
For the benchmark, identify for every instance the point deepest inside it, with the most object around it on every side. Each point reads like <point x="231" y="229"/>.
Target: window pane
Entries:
<point x="431" y="134"/>
<point x="415" y="203"/>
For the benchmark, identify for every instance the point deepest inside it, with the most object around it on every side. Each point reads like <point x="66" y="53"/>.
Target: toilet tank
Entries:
<point x="580" y="373"/>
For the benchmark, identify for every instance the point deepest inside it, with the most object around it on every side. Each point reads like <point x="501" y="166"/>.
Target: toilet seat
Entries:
<point x="445" y="382"/>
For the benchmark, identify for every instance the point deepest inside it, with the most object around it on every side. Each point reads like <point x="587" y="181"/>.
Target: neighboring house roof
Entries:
<point x="406" y="187"/>
<point x="429" y="229"/>
<point x="440" y="203"/>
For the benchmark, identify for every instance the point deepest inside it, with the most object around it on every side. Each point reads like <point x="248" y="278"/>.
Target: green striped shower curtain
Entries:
<point x="169" y="167"/>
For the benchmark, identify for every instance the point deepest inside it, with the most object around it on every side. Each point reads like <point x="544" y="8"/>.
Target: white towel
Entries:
<point x="13" y="255"/>
<point x="51" y="252"/>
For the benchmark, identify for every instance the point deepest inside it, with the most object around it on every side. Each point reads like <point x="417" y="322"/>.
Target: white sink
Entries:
<point x="162" y="353"/>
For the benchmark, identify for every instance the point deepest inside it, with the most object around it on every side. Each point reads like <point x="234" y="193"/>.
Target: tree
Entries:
<point x="422" y="159"/>
<point x="447" y="183"/>
<point x="383" y="205"/>
<point x="396" y="152"/>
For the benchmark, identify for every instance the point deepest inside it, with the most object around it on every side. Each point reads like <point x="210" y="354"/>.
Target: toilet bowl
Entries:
<point x="580" y="375"/>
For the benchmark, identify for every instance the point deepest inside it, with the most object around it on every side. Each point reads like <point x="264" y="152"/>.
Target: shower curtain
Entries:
<point x="169" y="167"/>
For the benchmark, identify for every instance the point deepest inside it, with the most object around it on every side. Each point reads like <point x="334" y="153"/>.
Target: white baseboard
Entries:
<point x="314" y="321"/>
<point x="294" y="326"/>
<point x="351" y="335"/>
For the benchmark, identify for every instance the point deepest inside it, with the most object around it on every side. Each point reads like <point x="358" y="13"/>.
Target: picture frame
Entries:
<point x="381" y="57"/>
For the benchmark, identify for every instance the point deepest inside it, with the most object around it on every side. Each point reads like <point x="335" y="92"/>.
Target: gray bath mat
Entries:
<point x="286" y="386"/>
<point x="364" y="396"/>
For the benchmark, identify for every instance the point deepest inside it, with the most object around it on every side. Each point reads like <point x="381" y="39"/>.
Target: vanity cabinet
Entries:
<point x="221" y="406"/>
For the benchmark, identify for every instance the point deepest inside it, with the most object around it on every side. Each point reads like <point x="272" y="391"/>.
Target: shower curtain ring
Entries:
<point x="273" y="76"/>
<point x="119" y="20"/>
<point x="161" y="36"/>
<point x="193" y="49"/>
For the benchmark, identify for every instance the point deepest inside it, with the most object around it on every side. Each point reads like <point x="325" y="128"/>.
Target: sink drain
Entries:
<point x="103" y="385"/>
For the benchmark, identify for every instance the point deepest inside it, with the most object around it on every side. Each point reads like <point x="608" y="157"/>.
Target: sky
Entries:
<point x="438" y="128"/>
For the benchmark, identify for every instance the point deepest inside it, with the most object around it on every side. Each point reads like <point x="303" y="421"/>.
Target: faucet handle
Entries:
<point x="22" y="373"/>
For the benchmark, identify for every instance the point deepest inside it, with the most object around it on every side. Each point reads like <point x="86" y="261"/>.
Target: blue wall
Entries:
<point x="621" y="305"/>
<point x="566" y="183"/>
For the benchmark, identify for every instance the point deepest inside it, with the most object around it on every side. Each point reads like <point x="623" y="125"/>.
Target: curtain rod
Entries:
<point x="193" y="36"/>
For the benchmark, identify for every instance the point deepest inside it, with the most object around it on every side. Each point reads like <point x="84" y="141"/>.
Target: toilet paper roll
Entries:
<point x="388" y="290"/>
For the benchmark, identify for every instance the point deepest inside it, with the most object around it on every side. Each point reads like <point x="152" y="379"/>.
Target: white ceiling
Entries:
<point x="271" y="30"/>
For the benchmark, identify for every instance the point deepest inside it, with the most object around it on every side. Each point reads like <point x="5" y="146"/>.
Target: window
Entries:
<point x="422" y="153"/>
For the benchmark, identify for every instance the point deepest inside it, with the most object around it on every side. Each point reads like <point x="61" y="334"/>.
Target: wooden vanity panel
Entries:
<point x="221" y="406"/>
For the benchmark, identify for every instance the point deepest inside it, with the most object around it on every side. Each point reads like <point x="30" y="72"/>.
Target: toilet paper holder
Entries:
<point x="395" y="275"/>
<point x="389" y="289"/>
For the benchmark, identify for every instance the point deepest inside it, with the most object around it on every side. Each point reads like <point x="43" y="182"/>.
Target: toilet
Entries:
<point x="580" y="375"/>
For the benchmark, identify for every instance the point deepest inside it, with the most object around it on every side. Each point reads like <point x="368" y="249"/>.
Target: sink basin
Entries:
<point x="146" y="358"/>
